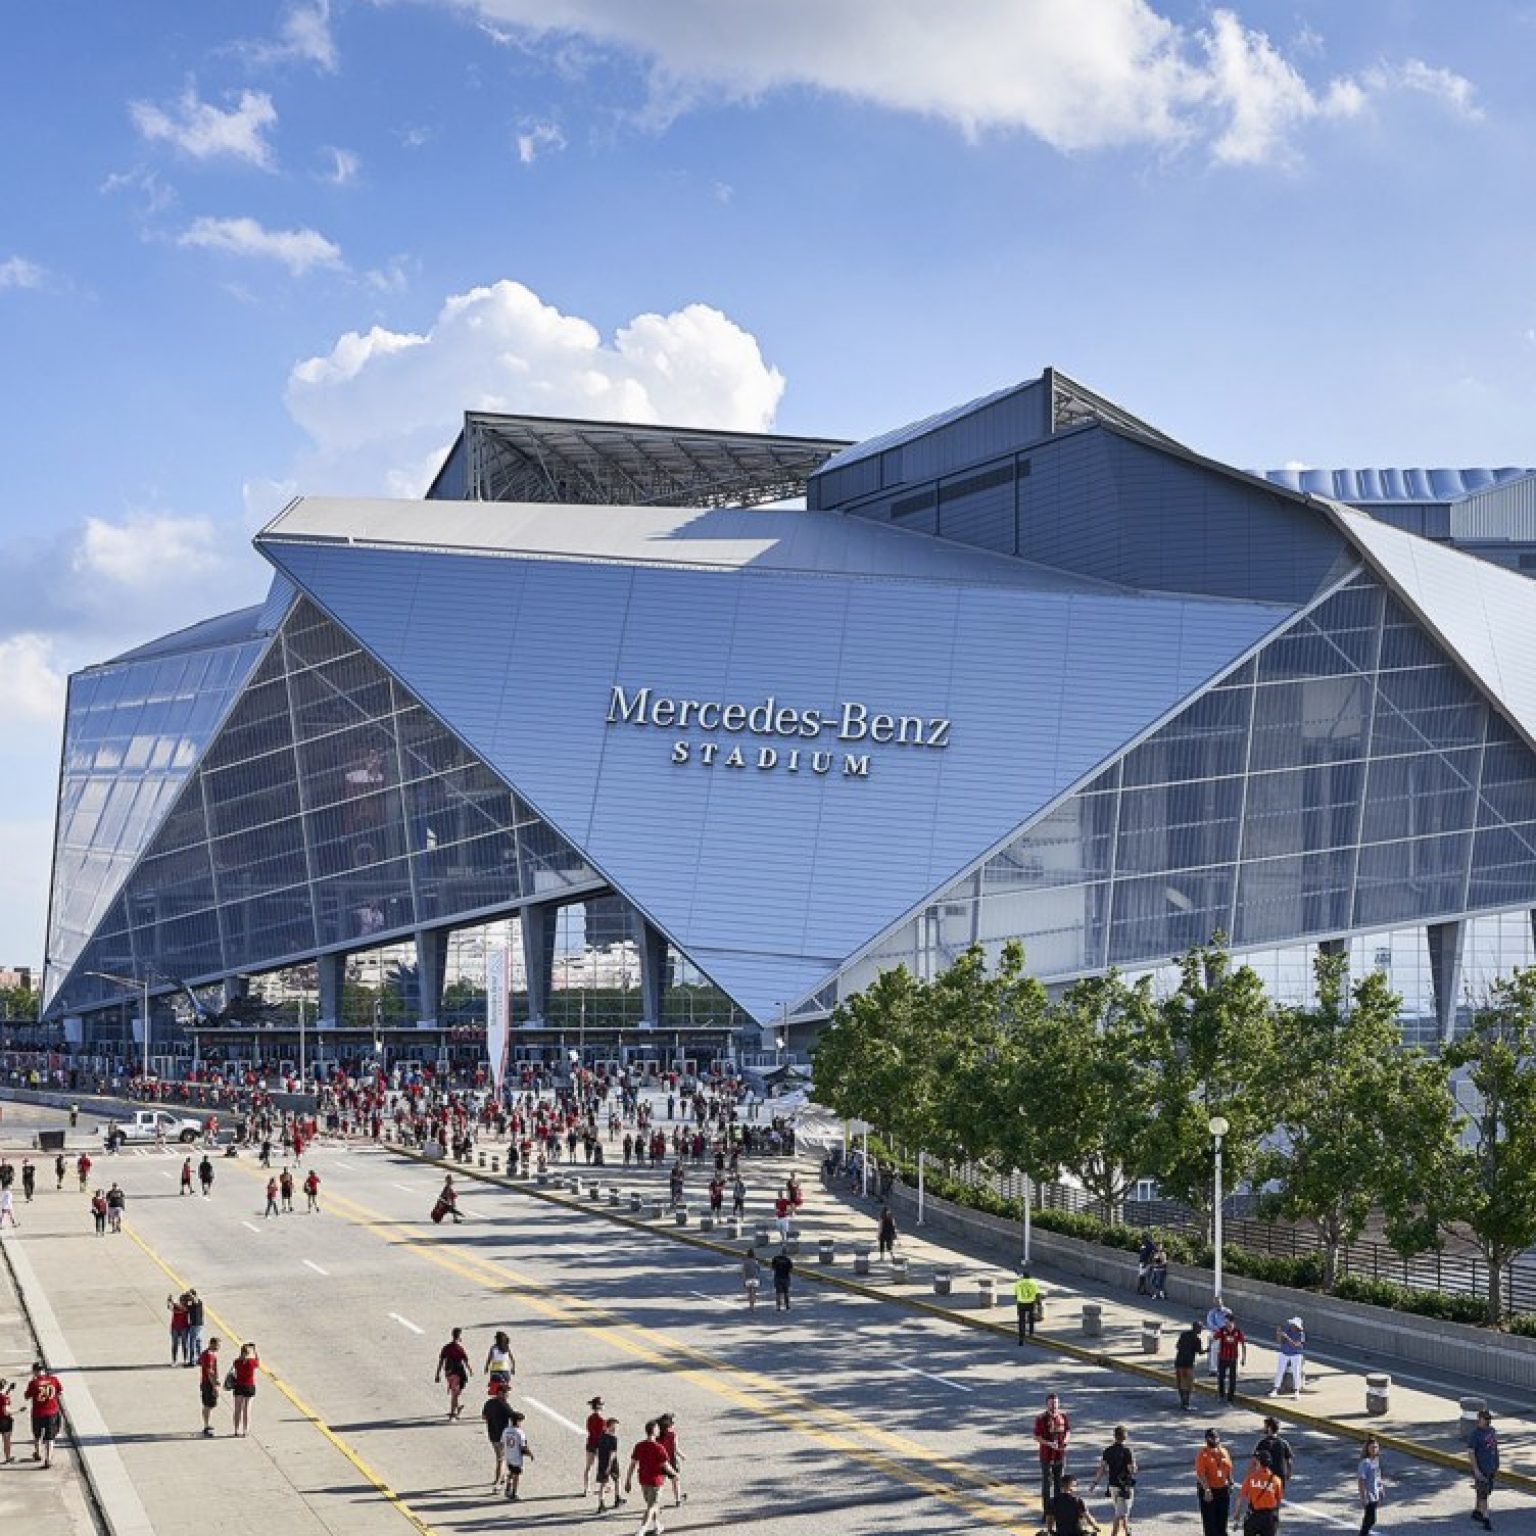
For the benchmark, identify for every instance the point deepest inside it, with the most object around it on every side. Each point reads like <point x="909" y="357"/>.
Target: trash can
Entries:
<point x="594" y="1191"/>
<point x="861" y="1261"/>
<point x="658" y="1205"/>
<point x="899" y="1271"/>
<point x="1378" y="1392"/>
<point x="1151" y="1336"/>
<point x="481" y="1162"/>
<point x="495" y="1163"/>
<point x="943" y="1282"/>
<point x="826" y="1251"/>
<point x="680" y="1216"/>
<point x="636" y="1202"/>
<point x="792" y="1246"/>
<point x="573" y="1184"/>
<point x="764" y="1236"/>
<point x="733" y="1230"/>
<point x="986" y="1292"/>
<point x="706" y="1222"/>
<point x="614" y="1197"/>
<point x="1093" y="1320"/>
<point x="50" y="1141"/>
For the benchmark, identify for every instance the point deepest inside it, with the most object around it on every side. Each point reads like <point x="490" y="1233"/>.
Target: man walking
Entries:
<point x="453" y="1366"/>
<point x="194" y="1346"/>
<point x="44" y="1392"/>
<point x="1274" y="1451"/>
<point x="1186" y="1350"/>
<point x="1259" y="1498"/>
<point x="1231" y="1350"/>
<point x="1026" y="1300"/>
<point x="1117" y="1471"/>
<point x="648" y="1461"/>
<point x="1214" y="1318"/>
<point x="1291" y="1341"/>
<point x="783" y="1268"/>
<point x="1483" y="1453"/>
<point x="312" y="1191"/>
<point x="208" y="1384"/>
<point x="205" y="1176"/>
<point x="1053" y="1431"/>
<point x="1213" y="1478"/>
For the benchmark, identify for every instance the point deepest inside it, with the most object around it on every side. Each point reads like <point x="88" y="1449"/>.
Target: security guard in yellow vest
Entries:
<point x="1026" y="1297"/>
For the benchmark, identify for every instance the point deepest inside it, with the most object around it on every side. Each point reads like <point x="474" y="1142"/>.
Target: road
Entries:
<point x="846" y="1413"/>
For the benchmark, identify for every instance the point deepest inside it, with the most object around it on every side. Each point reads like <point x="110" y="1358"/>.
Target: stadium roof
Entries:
<point x="1364" y="486"/>
<point x="549" y="459"/>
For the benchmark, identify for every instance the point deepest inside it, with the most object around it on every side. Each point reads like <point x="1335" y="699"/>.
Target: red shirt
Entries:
<point x="208" y="1364"/>
<point x="43" y="1393"/>
<point x="667" y="1440"/>
<point x="454" y="1358"/>
<point x="1052" y="1431"/>
<point x="1229" y="1339"/>
<point x="651" y="1463"/>
<point x="595" y="1427"/>
<point x="245" y="1368"/>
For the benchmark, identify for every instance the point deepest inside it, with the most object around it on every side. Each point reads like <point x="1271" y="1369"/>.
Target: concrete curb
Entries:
<point x="1261" y="1405"/>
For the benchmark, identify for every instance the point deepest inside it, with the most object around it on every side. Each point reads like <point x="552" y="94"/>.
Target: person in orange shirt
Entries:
<point x="1213" y="1474"/>
<point x="1260" y="1495"/>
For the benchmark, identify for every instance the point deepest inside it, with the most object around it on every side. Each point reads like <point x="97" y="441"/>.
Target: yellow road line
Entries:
<point x="384" y="1490"/>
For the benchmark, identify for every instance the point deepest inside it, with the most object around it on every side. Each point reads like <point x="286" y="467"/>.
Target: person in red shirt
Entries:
<point x="649" y="1462"/>
<point x="243" y="1386"/>
<point x="312" y="1190"/>
<point x="208" y="1384"/>
<point x="453" y="1363"/>
<point x="666" y="1436"/>
<point x="1231" y="1344"/>
<point x="595" y="1423"/>
<point x="1053" y="1431"/>
<point x="44" y="1392"/>
<point x="83" y="1168"/>
<point x="7" y="1423"/>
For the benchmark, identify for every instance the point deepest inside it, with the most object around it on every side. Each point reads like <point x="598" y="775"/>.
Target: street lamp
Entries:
<point x="1218" y="1125"/>
<point x="142" y="983"/>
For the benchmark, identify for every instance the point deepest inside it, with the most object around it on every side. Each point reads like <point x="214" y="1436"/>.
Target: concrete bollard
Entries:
<point x="733" y="1230"/>
<point x="792" y="1246"/>
<point x="986" y="1292"/>
<point x="1378" y="1392"/>
<point x="706" y="1222"/>
<point x="826" y="1251"/>
<point x="541" y="1179"/>
<point x="1093" y="1320"/>
<point x="680" y="1216"/>
<point x="495" y="1164"/>
<point x="943" y="1282"/>
<point x="594" y="1191"/>
<point x="1151" y="1336"/>
<point x="764" y="1236"/>
<point x="1470" y="1408"/>
<point x="614" y="1197"/>
<point x="899" y="1271"/>
<point x="636" y="1202"/>
<point x="573" y="1184"/>
<point x="657" y="1207"/>
<point x="861" y="1261"/>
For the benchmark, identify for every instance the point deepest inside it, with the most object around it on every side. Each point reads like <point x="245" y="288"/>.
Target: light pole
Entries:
<point x="1218" y="1126"/>
<point x="143" y="985"/>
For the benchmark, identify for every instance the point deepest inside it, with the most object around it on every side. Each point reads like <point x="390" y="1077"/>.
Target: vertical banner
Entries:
<point x="497" y="1012"/>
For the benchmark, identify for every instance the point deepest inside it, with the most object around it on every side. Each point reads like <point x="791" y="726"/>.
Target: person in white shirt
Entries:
<point x="515" y="1450"/>
<point x="1213" y="1320"/>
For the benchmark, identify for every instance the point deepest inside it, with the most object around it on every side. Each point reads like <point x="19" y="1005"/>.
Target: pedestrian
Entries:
<point x="1231" y="1351"/>
<point x="1117" y="1471"/>
<point x="595" y="1424"/>
<point x="177" y="1307"/>
<point x="186" y="1176"/>
<point x="116" y="1202"/>
<point x="208" y="1384"/>
<point x="887" y="1235"/>
<point x="194" y="1345"/>
<point x="1274" y="1451"/>
<point x="1214" y="1318"/>
<point x="648" y="1461"/>
<point x="242" y="1384"/>
<point x="1026" y="1301"/>
<point x="45" y="1393"/>
<point x="285" y="1186"/>
<point x="83" y="1168"/>
<point x="1186" y="1350"/>
<point x="1144" y="1251"/>
<point x="783" y="1268"/>
<point x="312" y="1192"/>
<point x="8" y="1206"/>
<point x="751" y="1278"/>
<point x="666" y="1435"/>
<point x="608" y="1464"/>
<point x="99" y="1212"/>
<point x="1368" y="1480"/>
<point x="28" y="1180"/>
<point x="1259" y="1500"/>
<point x="271" y="1209"/>
<point x="453" y="1365"/>
<point x="205" y="1175"/>
<point x="1157" y="1274"/>
<point x="447" y="1202"/>
<point x="497" y="1414"/>
<point x="60" y="1168"/>
<point x="499" y="1364"/>
<point x="1053" y="1432"/>
<point x="7" y="1422"/>
<point x="515" y="1451"/>
<point x="738" y="1198"/>
<point x="1483" y="1453"/>
<point x="781" y="1209"/>
<point x="1213" y="1478"/>
<point x="1069" y="1513"/>
<point x="1291" y="1342"/>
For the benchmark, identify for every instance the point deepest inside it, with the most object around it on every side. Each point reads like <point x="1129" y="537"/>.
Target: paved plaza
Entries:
<point x="857" y="1411"/>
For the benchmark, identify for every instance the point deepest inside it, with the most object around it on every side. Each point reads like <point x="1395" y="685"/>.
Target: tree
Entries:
<point x="1482" y="1181"/>
<point x="1354" y="1110"/>
<point x="19" y="1005"/>
<point x="1219" y="1035"/>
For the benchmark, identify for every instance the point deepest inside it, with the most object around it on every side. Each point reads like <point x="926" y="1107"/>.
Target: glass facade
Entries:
<point x="331" y="810"/>
<point x="133" y="732"/>
<point x="1347" y="777"/>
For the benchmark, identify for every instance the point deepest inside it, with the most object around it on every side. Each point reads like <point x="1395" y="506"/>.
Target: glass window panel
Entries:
<point x="1503" y="867"/>
<point x="1508" y="783"/>
<point x="1158" y="917"/>
<point x="1207" y="740"/>
<point x="364" y="903"/>
<point x="1320" y="720"/>
<point x="1062" y="928"/>
<point x="1418" y="795"/>
<point x="1424" y="877"/>
<point x="1301" y="809"/>
<point x="1281" y="898"/>
<point x="1178" y="826"/>
<point x="1073" y="844"/>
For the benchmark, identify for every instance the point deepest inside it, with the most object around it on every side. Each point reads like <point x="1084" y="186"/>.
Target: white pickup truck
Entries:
<point x="152" y="1125"/>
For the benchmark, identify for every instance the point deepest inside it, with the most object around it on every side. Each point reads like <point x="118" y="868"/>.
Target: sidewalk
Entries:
<point x="1422" y="1421"/>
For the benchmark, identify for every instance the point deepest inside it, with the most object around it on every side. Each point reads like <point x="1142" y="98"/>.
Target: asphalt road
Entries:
<point x="845" y="1414"/>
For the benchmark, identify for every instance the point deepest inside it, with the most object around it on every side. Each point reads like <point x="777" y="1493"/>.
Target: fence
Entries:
<point x="1454" y="1273"/>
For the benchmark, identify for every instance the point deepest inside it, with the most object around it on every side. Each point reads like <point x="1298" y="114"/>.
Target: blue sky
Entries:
<point x="253" y="248"/>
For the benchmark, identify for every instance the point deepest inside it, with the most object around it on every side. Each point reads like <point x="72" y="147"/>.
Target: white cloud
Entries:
<point x="1453" y="91"/>
<point x="296" y="249"/>
<point x="203" y="131"/>
<point x="343" y="168"/>
<point x="155" y="196"/>
<point x="34" y="685"/>
<point x="148" y="551"/>
<point x="304" y="37"/>
<point x="382" y="405"/>
<point x="540" y="137"/>
<point x="18" y="272"/>
<point x="1078" y="74"/>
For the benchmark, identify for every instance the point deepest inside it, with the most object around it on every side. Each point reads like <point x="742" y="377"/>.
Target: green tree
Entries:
<point x="19" y="1005"/>
<point x="1219" y="1039"/>
<point x="1354" y="1110"/>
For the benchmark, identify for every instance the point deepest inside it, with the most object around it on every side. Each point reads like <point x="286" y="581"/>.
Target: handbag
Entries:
<point x="229" y="1379"/>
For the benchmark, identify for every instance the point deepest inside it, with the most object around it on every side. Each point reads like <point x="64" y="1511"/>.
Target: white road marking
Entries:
<point x="464" y="1210"/>
<point x="249" y="1228"/>
<point x="406" y="1187"/>
<point x="165" y="1173"/>
<point x="405" y="1322"/>
<point x="943" y="1381"/>
<point x="311" y="1263"/>
<point x="1319" y="1514"/>
<point x="718" y="1301"/>
<point x="549" y="1413"/>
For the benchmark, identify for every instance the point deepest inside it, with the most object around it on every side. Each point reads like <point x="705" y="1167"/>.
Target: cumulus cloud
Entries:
<point x="297" y="249"/>
<point x="148" y="550"/>
<point x="34" y="684"/>
<point x="304" y="37"/>
<point x="18" y="272"/>
<point x="535" y="140"/>
<point x="1078" y="74"/>
<point x="381" y="406"/>
<point x="202" y="131"/>
<point x="1454" y="92"/>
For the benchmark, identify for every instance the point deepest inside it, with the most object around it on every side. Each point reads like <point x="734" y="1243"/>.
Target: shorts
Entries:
<point x="210" y="1394"/>
<point x="7" y="1424"/>
<point x="1122" y="1499"/>
<point x="751" y="1285"/>
<point x="240" y="1391"/>
<point x="1483" y="1486"/>
<point x="46" y="1429"/>
<point x="650" y="1492"/>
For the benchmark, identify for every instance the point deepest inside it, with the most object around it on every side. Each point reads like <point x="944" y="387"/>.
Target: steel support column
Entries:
<point x="1445" y="948"/>
<point x="332" y="969"/>
<point x="539" y="956"/>
<point x="431" y="962"/>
